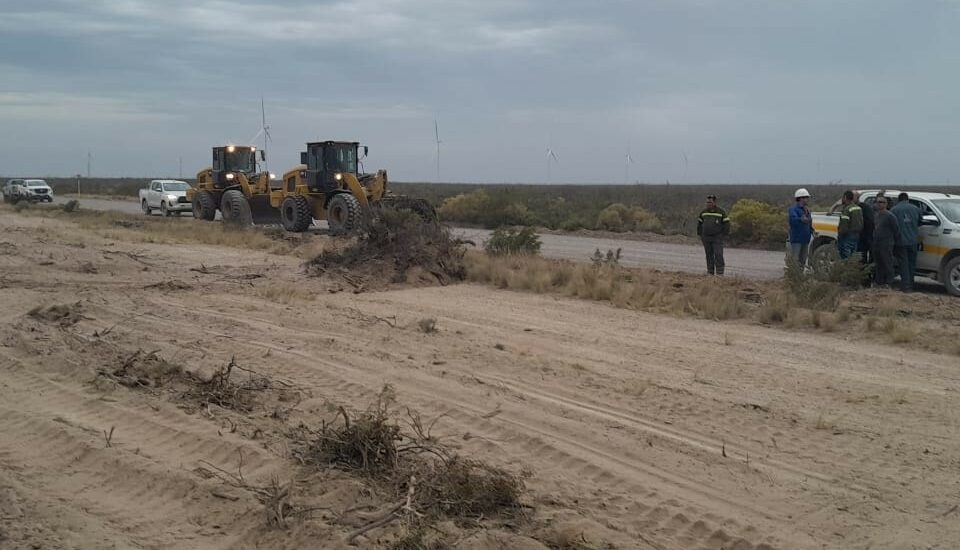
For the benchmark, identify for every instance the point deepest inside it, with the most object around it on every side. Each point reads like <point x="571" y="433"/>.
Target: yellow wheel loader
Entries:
<point x="233" y="186"/>
<point x="328" y="185"/>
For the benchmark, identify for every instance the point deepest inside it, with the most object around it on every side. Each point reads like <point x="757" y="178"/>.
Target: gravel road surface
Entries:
<point x="760" y="264"/>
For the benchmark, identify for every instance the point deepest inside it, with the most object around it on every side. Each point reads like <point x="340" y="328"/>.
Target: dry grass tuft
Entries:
<point x="367" y="443"/>
<point x="626" y="288"/>
<point x="64" y="315"/>
<point x="463" y="488"/>
<point x="391" y="247"/>
<point x="286" y="293"/>
<point x="427" y="325"/>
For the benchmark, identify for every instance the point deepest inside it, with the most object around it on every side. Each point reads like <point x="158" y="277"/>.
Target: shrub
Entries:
<point x="619" y="217"/>
<point x="507" y="240"/>
<point x="465" y="207"/>
<point x="71" y="206"/>
<point x="758" y="222"/>
<point x="392" y="245"/>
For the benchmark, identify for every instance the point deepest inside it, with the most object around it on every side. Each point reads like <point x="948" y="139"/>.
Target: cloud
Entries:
<point x="750" y="90"/>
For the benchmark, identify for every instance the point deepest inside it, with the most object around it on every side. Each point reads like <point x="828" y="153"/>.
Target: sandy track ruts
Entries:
<point x="622" y="416"/>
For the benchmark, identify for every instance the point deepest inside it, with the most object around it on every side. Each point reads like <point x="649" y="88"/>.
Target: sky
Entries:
<point x="720" y="91"/>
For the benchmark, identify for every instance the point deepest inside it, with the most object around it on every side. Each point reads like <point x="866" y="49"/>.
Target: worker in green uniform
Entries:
<point x="713" y="225"/>
<point x="851" y="224"/>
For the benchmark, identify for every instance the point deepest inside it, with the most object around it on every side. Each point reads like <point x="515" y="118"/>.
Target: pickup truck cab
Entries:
<point x="939" y="254"/>
<point x="33" y="190"/>
<point x="167" y="196"/>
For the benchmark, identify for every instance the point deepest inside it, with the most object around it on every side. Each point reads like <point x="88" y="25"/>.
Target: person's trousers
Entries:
<point x="713" y="248"/>
<point x="908" y="265"/>
<point x="848" y="245"/>
<point x="799" y="251"/>
<point x="883" y="263"/>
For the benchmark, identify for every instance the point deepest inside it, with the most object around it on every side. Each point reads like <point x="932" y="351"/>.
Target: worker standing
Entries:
<point x="908" y="216"/>
<point x="886" y="234"/>
<point x="866" y="235"/>
<point x="713" y="225"/>
<point x="801" y="227"/>
<point x="851" y="224"/>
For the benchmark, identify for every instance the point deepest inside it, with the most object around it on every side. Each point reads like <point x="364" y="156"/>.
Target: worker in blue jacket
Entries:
<point x="801" y="227"/>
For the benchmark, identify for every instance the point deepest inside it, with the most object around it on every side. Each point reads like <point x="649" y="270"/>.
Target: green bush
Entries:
<point x="758" y="222"/>
<point x="507" y="240"/>
<point x="466" y="207"/>
<point x="619" y="217"/>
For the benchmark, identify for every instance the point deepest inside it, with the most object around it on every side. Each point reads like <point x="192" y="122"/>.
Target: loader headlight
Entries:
<point x="230" y="176"/>
<point x="338" y="176"/>
<point x="231" y="148"/>
<point x="273" y="176"/>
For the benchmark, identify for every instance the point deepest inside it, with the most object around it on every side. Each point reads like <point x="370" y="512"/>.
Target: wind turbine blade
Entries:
<point x="436" y="130"/>
<point x="254" y="138"/>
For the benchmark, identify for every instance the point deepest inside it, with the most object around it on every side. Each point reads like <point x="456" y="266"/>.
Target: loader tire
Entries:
<point x="343" y="214"/>
<point x="295" y="213"/>
<point x="204" y="207"/>
<point x="235" y="209"/>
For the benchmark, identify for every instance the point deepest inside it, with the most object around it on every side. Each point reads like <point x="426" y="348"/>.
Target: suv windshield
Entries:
<point x="176" y="186"/>
<point x="340" y="158"/>
<point x="950" y="208"/>
<point x="241" y="160"/>
<point x="36" y="183"/>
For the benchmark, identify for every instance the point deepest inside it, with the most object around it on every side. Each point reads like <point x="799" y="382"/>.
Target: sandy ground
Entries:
<point x="637" y="430"/>
<point x="756" y="264"/>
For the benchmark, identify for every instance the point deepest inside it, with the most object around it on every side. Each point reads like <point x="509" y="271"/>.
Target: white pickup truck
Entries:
<point x="939" y="255"/>
<point x="167" y="196"/>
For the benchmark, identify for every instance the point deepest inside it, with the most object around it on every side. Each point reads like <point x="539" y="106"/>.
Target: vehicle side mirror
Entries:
<point x="366" y="150"/>
<point x="930" y="219"/>
<point x="303" y="158"/>
<point x="263" y="155"/>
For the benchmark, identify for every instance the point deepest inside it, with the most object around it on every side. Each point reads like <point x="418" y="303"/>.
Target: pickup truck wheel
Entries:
<point x="145" y="207"/>
<point x="824" y="256"/>
<point x="295" y="214"/>
<point x="163" y="210"/>
<point x="235" y="209"/>
<point x="343" y="214"/>
<point x="204" y="207"/>
<point x="951" y="276"/>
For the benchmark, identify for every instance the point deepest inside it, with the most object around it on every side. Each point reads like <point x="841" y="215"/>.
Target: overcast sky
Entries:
<point x="698" y="90"/>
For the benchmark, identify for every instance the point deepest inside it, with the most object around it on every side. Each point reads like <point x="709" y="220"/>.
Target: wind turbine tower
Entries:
<point x="436" y="136"/>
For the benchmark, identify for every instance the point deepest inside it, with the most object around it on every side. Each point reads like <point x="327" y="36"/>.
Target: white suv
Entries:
<point x="33" y="190"/>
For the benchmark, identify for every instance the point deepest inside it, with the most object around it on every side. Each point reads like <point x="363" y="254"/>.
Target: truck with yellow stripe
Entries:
<point x="939" y="235"/>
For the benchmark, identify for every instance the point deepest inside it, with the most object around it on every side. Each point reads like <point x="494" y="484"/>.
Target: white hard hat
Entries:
<point x="801" y="193"/>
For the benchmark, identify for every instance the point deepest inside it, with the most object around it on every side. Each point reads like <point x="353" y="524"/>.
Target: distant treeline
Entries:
<point x="758" y="212"/>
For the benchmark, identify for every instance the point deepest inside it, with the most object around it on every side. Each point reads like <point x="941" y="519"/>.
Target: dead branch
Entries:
<point x="108" y="436"/>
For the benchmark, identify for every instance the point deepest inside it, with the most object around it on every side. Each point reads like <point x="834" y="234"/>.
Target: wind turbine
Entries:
<point x="627" y="161"/>
<point x="265" y="131"/>
<point x="686" y="164"/>
<point x="551" y="156"/>
<point x="436" y="136"/>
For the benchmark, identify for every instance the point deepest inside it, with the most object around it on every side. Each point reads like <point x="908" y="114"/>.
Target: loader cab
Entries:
<point x="230" y="160"/>
<point x="327" y="161"/>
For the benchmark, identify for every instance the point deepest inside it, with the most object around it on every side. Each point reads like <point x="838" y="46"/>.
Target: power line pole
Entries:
<point x="88" y="164"/>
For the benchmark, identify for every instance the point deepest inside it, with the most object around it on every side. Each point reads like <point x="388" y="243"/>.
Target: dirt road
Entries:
<point x="637" y="430"/>
<point x="758" y="264"/>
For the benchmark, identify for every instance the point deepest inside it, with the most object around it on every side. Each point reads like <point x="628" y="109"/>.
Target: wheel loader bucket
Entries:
<point x="263" y="213"/>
